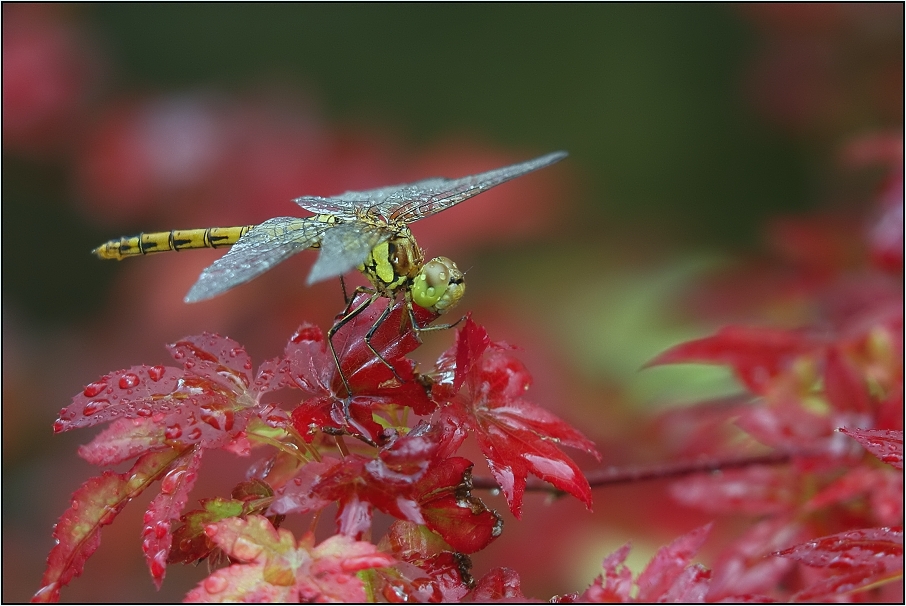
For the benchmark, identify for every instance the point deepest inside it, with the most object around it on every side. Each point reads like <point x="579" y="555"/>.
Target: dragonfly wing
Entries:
<point x="345" y="204"/>
<point x="425" y="198"/>
<point x="264" y="246"/>
<point x="345" y="247"/>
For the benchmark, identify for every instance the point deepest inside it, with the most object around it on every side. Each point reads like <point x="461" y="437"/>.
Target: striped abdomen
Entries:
<point x="177" y="239"/>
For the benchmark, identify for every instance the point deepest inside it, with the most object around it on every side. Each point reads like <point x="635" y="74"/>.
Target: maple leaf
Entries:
<point x="208" y="402"/>
<point x="276" y="568"/>
<point x="95" y="504"/>
<point x="745" y="569"/>
<point x="310" y="367"/>
<point x="482" y="386"/>
<point x="756" y="490"/>
<point x="665" y="575"/>
<point x="756" y="355"/>
<point x="670" y="576"/>
<point x="885" y="444"/>
<point x="426" y="569"/>
<point x="190" y="542"/>
<point x="498" y="585"/>
<point x="125" y="439"/>
<point x="445" y="500"/>
<point x="844" y="383"/>
<point x="854" y="561"/>
<point x="615" y="583"/>
<point x="175" y="486"/>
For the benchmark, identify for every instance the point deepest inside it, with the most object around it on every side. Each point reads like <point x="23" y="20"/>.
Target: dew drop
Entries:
<point x="215" y="583"/>
<point x="158" y="564"/>
<point x="144" y="411"/>
<point x="189" y="364"/>
<point x="173" y="432"/>
<point x="307" y="333"/>
<point x="94" y="389"/>
<point x="172" y="480"/>
<point x="128" y="381"/>
<point x="247" y="365"/>
<point x="161" y="529"/>
<point x="94" y="406"/>
<point x="194" y="433"/>
<point x="179" y="354"/>
<point x="156" y="373"/>
<point x="59" y="426"/>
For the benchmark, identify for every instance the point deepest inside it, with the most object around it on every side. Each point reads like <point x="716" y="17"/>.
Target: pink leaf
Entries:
<point x="164" y="508"/>
<point x="666" y="567"/>
<point x="615" y="583"/>
<point x="124" y="439"/>
<point x="96" y="503"/>
<point x="854" y="559"/>
<point x="755" y="490"/>
<point x="746" y="567"/>
<point x="124" y="393"/>
<point x="275" y="568"/>
<point x="690" y="586"/>
<point x="498" y="585"/>
<point x="218" y="359"/>
<point x="884" y="444"/>
<point x="297" y="496"/>
<point x="844" y="384"/>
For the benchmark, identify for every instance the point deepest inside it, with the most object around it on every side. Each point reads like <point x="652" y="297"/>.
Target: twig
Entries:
<point x="637" y="473"/>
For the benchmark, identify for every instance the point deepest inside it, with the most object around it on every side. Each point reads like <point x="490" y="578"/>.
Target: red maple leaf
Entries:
<point x="670" y="576"/>
<point x="482" y="385"/>
<point x="309" y="366"/>
<point x="852" y="561"/>
<point x="208" y="402"/>
<point x="426" y="571"/>
<point x="757" y="355"/>
<point x="884" y="444"/>
<point x="167" y="506"/>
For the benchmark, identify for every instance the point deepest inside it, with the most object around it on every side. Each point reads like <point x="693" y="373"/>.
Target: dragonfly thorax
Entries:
<point x="392" y="264"/>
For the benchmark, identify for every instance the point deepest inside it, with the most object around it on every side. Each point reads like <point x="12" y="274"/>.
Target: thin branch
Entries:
<point x="638" y="473"/>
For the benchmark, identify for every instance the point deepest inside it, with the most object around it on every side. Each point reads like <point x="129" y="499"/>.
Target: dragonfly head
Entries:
<point x="438" y="286"/>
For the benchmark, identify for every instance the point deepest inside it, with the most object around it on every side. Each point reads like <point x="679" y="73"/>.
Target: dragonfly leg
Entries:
<point x="350" y="315"/>
<point x="420" y="329"/>
<point x="370" y="333"/>
<point x="346" y="298"/>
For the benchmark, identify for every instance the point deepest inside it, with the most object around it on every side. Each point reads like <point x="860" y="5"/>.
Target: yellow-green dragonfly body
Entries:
<point x="367" y="230"/>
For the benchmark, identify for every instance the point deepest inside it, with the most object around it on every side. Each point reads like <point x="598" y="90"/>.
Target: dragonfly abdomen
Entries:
<point x="177" y="239"/>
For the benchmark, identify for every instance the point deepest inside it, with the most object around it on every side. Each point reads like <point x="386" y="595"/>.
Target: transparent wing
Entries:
<point x="261" y="248"/>
<point x="413" y="201"/>
<point x="344" y="247"/>
<point x="425" y="198"/>
<point x="344" y="205"/>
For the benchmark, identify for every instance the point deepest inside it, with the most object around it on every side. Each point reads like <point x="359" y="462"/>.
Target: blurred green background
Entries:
<point x="688" y="126"/>
<point x="649" y="101"/>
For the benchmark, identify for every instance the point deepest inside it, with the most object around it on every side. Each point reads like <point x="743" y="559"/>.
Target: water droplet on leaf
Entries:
<point x="128" y="381"/>
<point x="94" y="389"/>
<point x="94" y="406"/>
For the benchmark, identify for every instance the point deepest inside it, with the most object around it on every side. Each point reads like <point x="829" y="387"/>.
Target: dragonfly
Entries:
<point x="368" y="230"/>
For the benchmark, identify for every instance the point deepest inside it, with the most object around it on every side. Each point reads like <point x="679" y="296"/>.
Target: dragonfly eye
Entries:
<point x="438" y="286"/>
